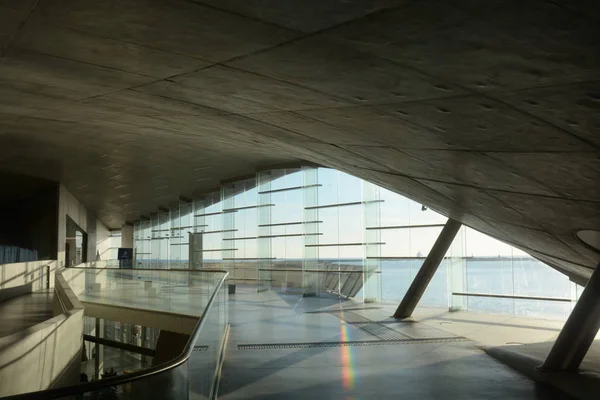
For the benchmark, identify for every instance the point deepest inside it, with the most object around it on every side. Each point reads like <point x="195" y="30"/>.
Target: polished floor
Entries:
<point x="289" y="347"/>
<point x="25" y="311"/>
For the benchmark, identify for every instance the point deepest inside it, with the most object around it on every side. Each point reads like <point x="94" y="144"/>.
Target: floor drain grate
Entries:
<point x="357" y="343"/>
<point x="382" y="332"/>
<point x="200" y="348"/>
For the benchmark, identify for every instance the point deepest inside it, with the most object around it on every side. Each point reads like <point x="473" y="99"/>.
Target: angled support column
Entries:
<point x="430" y="265"/>
<point x="579" y="331"/>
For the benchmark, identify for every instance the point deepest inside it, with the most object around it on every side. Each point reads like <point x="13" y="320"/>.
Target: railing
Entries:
<point x="513" y="296"/>
<point x="180" y="291"/>
<point x="30" y="358"/>
<point x="190" y="373"/>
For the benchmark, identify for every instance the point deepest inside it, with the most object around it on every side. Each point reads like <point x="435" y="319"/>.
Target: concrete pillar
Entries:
<point x="92" y="237"/>
<point x="430" y="265"/>
<point x="579" y="331"/>
<point x="127" y="236"/>
<point x="196" y="254"/>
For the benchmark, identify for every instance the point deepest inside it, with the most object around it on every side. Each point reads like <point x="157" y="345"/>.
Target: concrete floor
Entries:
<point x="520" y="343"/>
<point x="485" y="329"/>
<point x="418" y="360"/>
<point x="25" y="311"/>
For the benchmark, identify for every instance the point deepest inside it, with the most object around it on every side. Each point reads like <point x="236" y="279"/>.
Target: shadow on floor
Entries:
<point x="456" y="377"/>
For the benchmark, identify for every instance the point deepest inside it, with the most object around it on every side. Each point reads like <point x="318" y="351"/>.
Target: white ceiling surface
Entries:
<point x="488" y="112"/>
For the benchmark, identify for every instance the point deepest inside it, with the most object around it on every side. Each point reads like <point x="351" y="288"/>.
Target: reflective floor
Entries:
<point x="328" y="348"/>
<point x="25" y="311"/>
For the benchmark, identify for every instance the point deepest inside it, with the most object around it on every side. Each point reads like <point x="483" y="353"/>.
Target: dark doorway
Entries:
<point x="76" y="244"/>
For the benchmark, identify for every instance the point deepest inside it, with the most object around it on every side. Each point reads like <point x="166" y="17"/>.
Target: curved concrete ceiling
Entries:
<point x="488" y="112"/>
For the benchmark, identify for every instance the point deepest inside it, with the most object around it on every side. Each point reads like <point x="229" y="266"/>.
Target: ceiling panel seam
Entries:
<point x="223" y="10"/>
<point x="86" y="63"/>
<point x="18" y="30"/>
<point x="510" y="192"/>
<point x="539" y="119"/>
<point x="132" y="43"/>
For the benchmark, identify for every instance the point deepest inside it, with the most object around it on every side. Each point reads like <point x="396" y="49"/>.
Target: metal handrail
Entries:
<point x="314" y="270"/>
<point x="510" y="296"/>
<point x="143" y="374"/>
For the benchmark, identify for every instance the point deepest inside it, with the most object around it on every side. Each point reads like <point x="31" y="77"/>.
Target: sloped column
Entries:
<point x="579" y="331"/>
<point x="428" y="269"/>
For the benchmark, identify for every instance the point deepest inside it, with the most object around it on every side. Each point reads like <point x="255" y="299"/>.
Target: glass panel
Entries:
<point x="310" y="280"/>
<point x="394" y="209"/>
<point x="222" y="240"/>
<point x="420" y="215"/>
<point x="396" y="277"/>
<point x="458" y="271"/>
<point x="142" y="244"/>
<point x="265" y="183"/>
<point x="372" y="265"/>
<point x="436" y="294"/>
<point x="176" y="239"/>
<point x="186" y="227"/>
<point x="154" y="244"/>
<point x="349" y="188"/>
<point x="142" y="288"/>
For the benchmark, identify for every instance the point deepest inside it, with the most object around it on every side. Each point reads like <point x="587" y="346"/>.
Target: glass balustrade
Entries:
<point x="190" y="375"/>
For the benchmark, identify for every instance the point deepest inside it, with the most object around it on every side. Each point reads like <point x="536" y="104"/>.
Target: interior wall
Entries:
<point x="31" y="223"/>
<point x="103" y="243"/>
<point x="22" y="278"/>
<point x="47" y="354"/>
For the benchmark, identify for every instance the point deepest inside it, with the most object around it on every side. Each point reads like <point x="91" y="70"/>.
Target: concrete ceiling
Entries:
<point x="487" y="111"/>
<point x="16" y="188"/>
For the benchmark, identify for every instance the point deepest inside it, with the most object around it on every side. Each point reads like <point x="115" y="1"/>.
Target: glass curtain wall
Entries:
<point x="142" y="238"/>
<point x="322" y="232"/>
<point x="281" y="231"/>
<point x="493" y="267"/>
<point x="240" y="229"/>
<point x="406" y="234"/>
<point x="209" y="224"/>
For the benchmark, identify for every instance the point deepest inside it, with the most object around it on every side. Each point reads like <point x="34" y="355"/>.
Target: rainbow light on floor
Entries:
<point x="348" y="378"/>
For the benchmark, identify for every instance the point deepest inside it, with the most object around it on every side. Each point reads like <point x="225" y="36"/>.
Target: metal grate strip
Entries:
<point x="345" y="310"/>
<point x="352" y="317"/>
<point x="382" y="332"/>
<point x="384" y="322"/>
<point x="357" y="343"/>
<point x="200" y="348"/>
